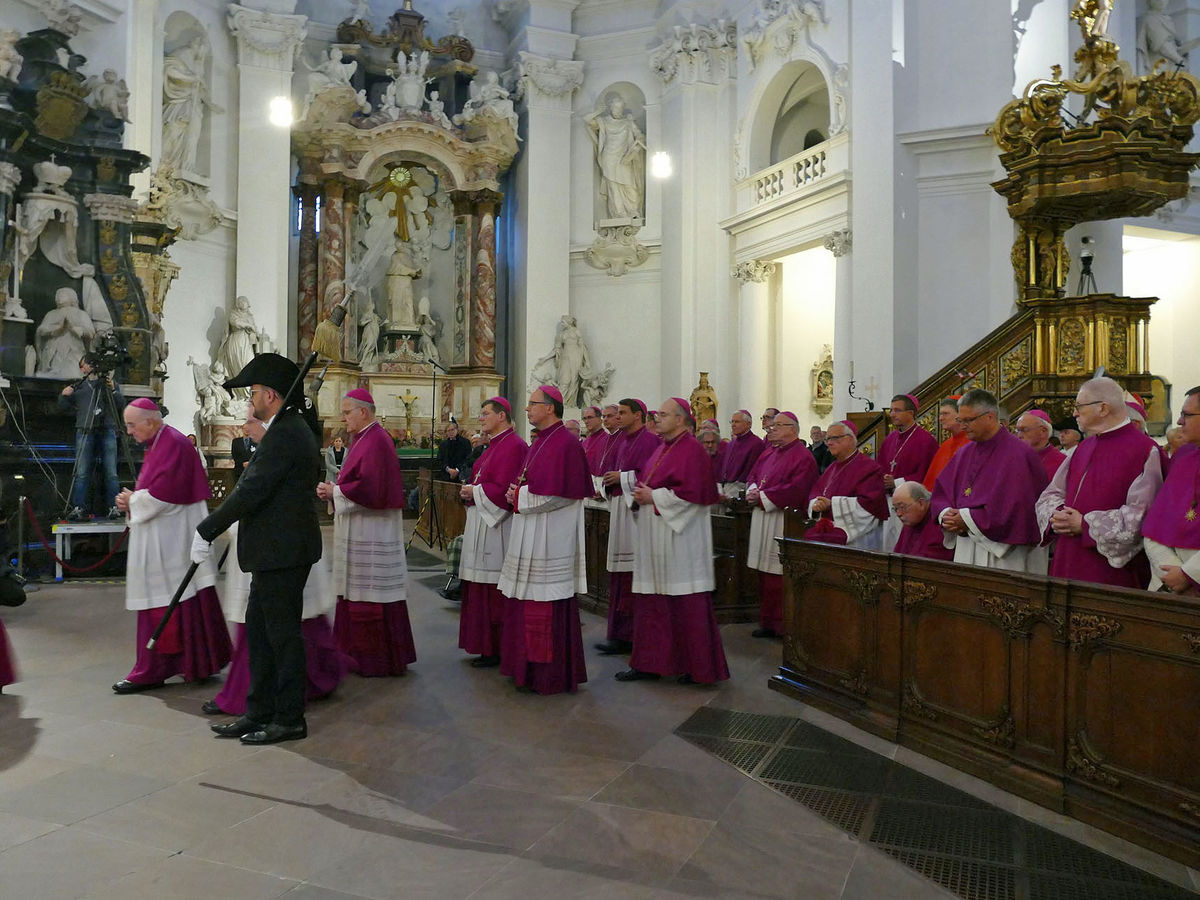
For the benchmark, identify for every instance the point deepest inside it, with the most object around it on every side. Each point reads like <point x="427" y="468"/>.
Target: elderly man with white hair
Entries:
<point x="1034" y="429"/>
<point x="1096" y="521"/>
<point x="164" y="508"/>
<point x="921" y="534"/>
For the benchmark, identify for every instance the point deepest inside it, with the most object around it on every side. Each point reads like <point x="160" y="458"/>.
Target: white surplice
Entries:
<point x="369" y="565"/>
<point x="976" y="549"/>
<point x="766" y="524"/>
<point x="861" y="527"/>
<point x="485" y="539"/>
<point x="622" y="526"/>
<point x="235" y="589"/>
<point x="1160" y="556"/>
<point x="674" y="547"/>
<point x="544" y="559"/>
<point x="160" y="536"/>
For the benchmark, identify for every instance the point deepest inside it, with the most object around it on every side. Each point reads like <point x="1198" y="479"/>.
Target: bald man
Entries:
<point x="742" y="452"/>
<point x="1096" y="522"/>
<point x="921" y="535"/>
<point x="1034" y="429"/>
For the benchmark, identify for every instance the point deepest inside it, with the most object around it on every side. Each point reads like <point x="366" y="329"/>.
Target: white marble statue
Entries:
<point x="185" y="96"/>
<point x="360" y="11"/>
<point x="215" y="401"/>
<point x="402" y="314"/>
<point x="1157" y="38"/>
<point x="10" y="59"/>
<point x="30" y="361"/>
<point x="334" y="72"/>
<point x="569" y="367"/>
<point x="406" y="93"/>
<point x="62" y="15"/>
<point x="488" y="96"/>
<point x="621" y="157"/>
<point x="437" y="110"/>
<point x="240" y="343"/>
<point x="431" y="328"/>
<point x="14" y="309"/>
<point x="63" y="336"/>
<point x="109" y="94"/>
<point x="368" y="342"/>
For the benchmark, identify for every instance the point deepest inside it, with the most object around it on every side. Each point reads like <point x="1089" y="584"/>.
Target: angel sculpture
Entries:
<point x="208" y="381"/>
<point x="109" y="93"/>
<point x="431" y="329"/>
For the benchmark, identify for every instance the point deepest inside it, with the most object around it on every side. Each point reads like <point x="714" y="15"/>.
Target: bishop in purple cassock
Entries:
<point x="848" y="501"/>
<point x="544" y="564"/>
<point x="637" y="444"/>
<point x="1171" y="530"/>
<point x="905" y="455"/>
<point x="1095" y="505"/>
<point x="984" y="497"/>
<point x="165" y="506"/>
<point x="782" y="478"/>
<point x="485" y="536"/>
<point x="741" y="453"/>
<point x="921" y="535"/>
<point x="675" y="631"/>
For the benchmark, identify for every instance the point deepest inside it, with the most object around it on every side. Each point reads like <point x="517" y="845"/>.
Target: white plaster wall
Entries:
<point x="622" y="327"/>
<point x="1170" y="270"/>
<point x="804" y="311"/>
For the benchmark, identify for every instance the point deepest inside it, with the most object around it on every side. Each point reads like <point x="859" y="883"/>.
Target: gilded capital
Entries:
<point x="542" y="79"/>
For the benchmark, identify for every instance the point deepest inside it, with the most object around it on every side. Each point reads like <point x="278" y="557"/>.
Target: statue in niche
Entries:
<point x="1157" y="38"/>
<point x="10" y="59"/>
<point x="185" y="95"/>
<point x="109" y="94"/>
<point x="30" y="361"/>
<point x="63" y="336"/>
<point x="620" y="150"/>
<point x="402" y="315"/>
<point x="240" y="343"/>
<point x="703" y="400"/>
<point x="368" y="342"/>
<point x="332" y="73"/>
<point x="569" y="367"/>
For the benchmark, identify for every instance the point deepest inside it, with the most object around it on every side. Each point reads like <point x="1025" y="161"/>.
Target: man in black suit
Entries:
<point x="242" y="449"/>
<point x="279" y="539"/>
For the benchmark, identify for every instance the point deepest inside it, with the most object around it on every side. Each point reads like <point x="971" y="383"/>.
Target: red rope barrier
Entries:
<point x="49" y="549"/>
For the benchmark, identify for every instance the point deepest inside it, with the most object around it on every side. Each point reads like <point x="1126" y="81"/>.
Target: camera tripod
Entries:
<point x="102" y="402"/>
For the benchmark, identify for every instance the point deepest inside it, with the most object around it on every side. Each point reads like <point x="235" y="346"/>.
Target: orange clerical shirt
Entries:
<point x="945" y="453"/>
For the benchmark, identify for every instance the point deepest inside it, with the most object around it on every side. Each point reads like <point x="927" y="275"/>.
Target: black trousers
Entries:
<point x="276" y="645"/>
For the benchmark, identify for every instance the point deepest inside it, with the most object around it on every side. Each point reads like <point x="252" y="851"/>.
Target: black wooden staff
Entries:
<point x="187" y="578"/>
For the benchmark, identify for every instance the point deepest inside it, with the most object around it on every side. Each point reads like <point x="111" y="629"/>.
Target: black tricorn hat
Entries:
<point x="1068" y="423"/>
<point x="268" y="369"/>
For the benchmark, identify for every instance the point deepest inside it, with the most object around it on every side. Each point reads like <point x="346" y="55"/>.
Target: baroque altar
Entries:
<point x="402" y="149"/>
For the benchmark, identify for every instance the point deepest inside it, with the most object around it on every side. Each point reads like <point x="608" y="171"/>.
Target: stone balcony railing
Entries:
<point x="795" y="174"/>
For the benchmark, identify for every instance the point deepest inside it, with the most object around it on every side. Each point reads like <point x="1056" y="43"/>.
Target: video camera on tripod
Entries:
<point x="109" y="354"/>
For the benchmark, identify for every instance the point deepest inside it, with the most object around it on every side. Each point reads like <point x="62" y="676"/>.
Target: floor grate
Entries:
<point x="966" y="845"/>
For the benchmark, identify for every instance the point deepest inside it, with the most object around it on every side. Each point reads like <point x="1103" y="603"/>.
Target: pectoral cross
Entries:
<point x="967" y="492"/>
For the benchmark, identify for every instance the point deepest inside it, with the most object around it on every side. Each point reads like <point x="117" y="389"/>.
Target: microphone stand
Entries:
<point x="187" y="578"/>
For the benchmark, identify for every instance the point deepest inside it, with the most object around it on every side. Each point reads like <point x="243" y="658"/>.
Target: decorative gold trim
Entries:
<point x="1016" y="617"/>
<point x="912" y="703"/>
<point x="1192" y="640"/>
<point x="857" y="684"/>
<point x="1079" y="762"/>
<point x="910" y="594"/>
<point x="1088" y="628"/>
<point x="864" y="585"/>
<point x="1002" y="733"/>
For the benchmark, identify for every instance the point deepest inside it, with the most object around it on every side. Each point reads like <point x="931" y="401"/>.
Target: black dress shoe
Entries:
<point x="763" y="633"/>
<point x="485" y="662"/>
<point x="273" y="734"/>
<point x="210" y="708"/>
<point x="132" y="687"/>
<point x="637" y="675"/>
<point x="613" y="648"/>
<point x="237" y="728"/>
<point x="686" y="679"/>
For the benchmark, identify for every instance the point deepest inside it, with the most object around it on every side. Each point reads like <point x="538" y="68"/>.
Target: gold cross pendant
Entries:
<point x="1191" y="514"/>
<point x="967" y="492"/>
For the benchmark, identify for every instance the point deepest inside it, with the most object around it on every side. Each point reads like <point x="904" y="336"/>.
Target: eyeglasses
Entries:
<point x="970" y="419"/>
<point x="1078" y="406"/>
<point x="837" y="437"/>
<point x="901" y="508"/>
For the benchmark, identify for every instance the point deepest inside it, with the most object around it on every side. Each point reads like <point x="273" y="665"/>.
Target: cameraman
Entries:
<point x="95" y="435"/>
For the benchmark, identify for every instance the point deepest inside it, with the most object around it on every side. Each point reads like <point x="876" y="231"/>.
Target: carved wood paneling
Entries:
<point x="1080" y="763"/>
<point x="1017" y="616"/>
<point x="1085" y="629"/>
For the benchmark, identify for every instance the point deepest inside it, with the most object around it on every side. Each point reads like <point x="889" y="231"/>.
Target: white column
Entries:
<point x="540" y="235"/>
<point x="267" y="45"/>
<point x="839" y="244"/>
<point x="873" y="161"/>
<point x="142" y="57"/>
<point x="753" y="343"/>
<point x="697" y="67"/>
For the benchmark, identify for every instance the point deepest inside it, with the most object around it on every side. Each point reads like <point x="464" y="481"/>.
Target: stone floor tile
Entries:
<point x="77" y="794"/>
<point x="66" y="863"/>
<point x="508" y="818"/>
<point x="550" y="772"/>
<point x="671" y="791"/>
<point x="184" y="877"/>
<point x="874" y="875"/>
